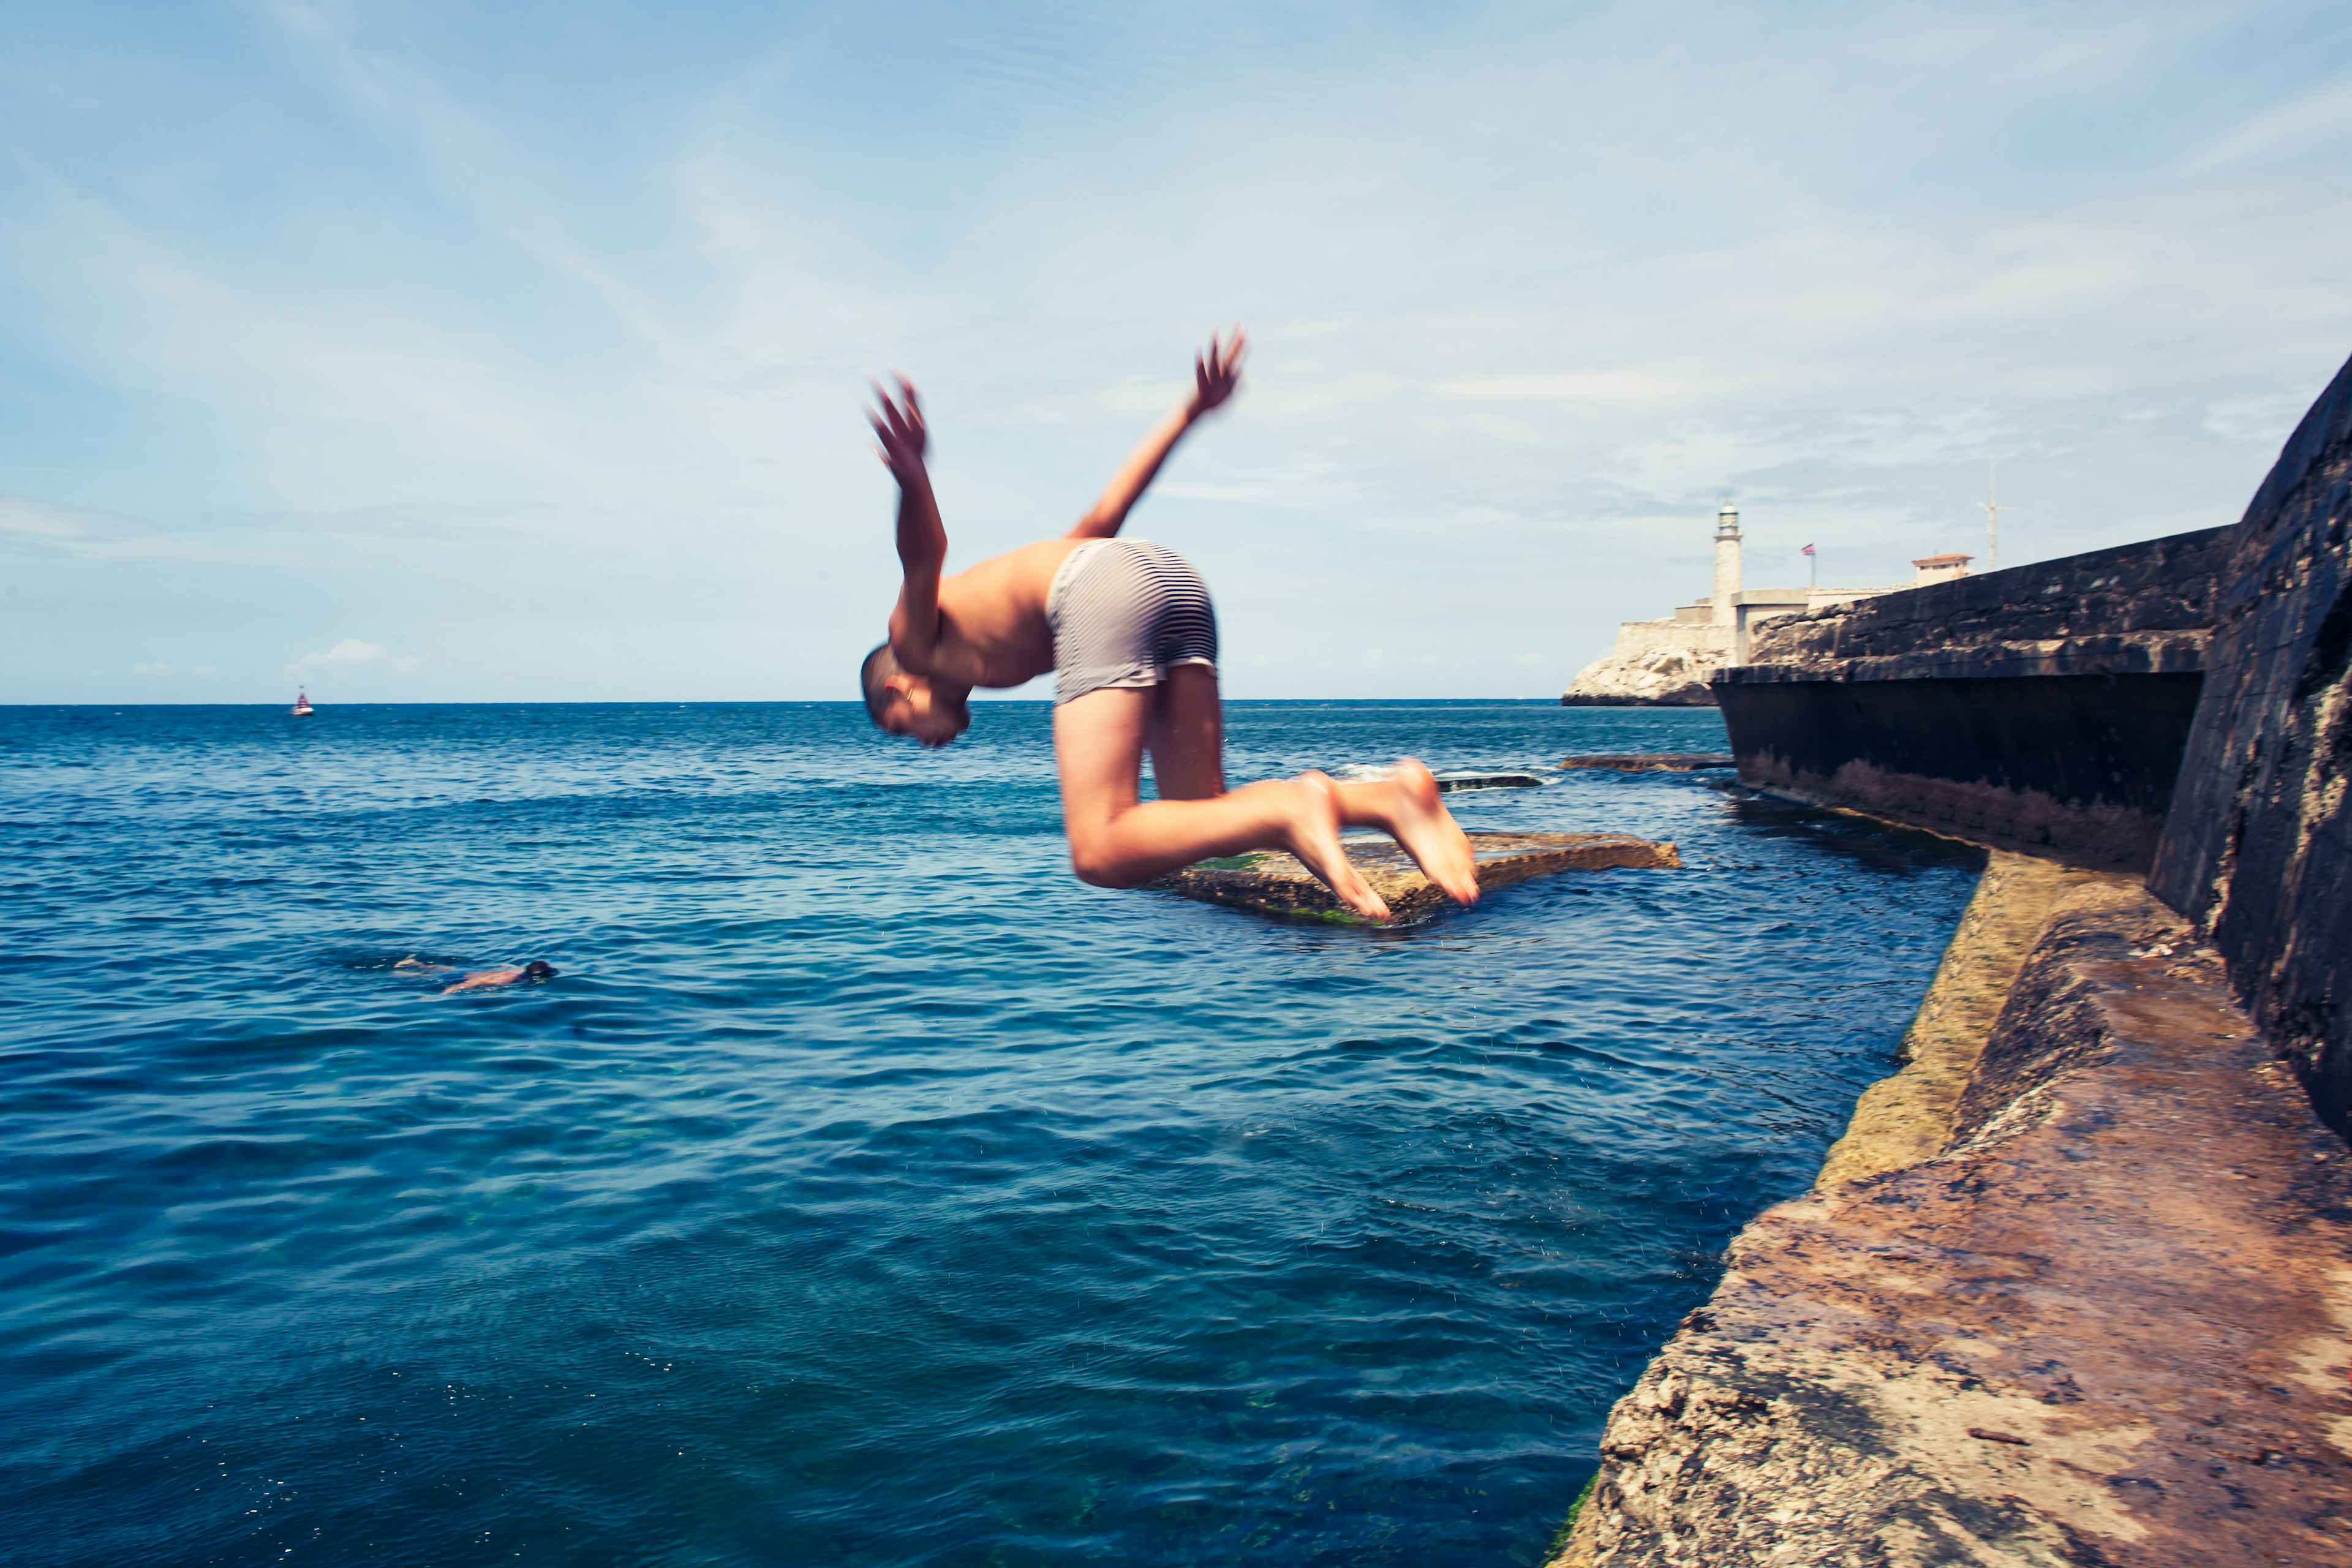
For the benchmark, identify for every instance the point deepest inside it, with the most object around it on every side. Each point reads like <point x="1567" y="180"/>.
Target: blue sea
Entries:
<point x="865" y="1190"/>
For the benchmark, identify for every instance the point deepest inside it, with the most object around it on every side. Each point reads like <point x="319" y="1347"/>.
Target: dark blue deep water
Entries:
<point x="865" y="1190"/>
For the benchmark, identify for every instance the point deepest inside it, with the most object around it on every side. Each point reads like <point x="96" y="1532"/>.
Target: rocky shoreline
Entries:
<point x="2069" y="1291"/>
<point x="1652" y="678"/>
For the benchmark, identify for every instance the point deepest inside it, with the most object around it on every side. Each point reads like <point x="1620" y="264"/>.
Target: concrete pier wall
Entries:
<point x="2044" y="708"/>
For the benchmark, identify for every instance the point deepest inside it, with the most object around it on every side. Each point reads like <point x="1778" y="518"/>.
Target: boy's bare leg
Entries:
<point x="1118" y="840"/>
<point x="1187" y="737"/>
<point x="1187" y="742"/>
<point x="1183" y="726"/>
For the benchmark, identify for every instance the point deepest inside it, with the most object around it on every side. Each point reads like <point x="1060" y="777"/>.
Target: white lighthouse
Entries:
<point x="1669" y="661"/>
<point x="1726" y="563"/>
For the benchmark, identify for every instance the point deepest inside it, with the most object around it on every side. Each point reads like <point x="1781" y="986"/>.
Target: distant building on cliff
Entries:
<point x="1668" y="662"/>
<point x="1941" y="568"/>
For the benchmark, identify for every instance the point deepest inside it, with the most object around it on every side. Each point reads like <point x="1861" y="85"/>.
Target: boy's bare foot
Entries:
<point x="1429" y="832"/>
<point x="1314" y="840"/>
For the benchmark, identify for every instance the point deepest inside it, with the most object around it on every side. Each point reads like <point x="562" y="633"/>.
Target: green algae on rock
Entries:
<point x="1276" y="883"/>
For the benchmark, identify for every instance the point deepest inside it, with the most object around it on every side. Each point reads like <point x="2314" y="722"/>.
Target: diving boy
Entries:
<point x="1128" y="628"/>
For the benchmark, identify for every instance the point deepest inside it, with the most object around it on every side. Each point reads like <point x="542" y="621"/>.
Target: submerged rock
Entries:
<point x="1276" y="883"/>
<point x="1446" y="783"/>
<point x="1651" y="761"/>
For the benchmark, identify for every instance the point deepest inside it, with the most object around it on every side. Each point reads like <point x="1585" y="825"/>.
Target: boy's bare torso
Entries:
<point x="987" y="627"/>
<point x="992" y="628"/>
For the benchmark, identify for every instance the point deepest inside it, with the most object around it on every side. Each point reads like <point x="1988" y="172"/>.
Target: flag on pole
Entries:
<point x="1808" y="550"/>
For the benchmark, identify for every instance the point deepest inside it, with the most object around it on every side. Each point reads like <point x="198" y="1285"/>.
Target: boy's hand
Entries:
<point x="898" y="428"/>
<point x="1216" y="373"/>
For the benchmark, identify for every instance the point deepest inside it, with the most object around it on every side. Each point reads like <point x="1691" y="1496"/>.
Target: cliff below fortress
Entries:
<point x="1663" y="677"/>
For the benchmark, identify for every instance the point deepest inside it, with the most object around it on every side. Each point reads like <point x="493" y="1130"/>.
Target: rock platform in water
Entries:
<point x="1448" y="783"/>
<point x="1651" y="761"/>
<point x="1276" y="883"/>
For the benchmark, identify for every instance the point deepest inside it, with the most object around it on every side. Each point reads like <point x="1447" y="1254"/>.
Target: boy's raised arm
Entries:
<point x="923" y="537"/>
<point x="1214" y="375"/>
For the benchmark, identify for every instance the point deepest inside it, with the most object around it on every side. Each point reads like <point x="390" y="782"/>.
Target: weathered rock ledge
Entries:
<point x="2136" y="603"/>
<point x="2077" y="1289"/>
<point x="1909" y="1116"/>
<point x="2178" y="652"/>
<point x="1274" y="882"/>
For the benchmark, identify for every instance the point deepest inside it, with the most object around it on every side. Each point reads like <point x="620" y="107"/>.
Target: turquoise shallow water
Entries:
<point x="865" y="1190"/>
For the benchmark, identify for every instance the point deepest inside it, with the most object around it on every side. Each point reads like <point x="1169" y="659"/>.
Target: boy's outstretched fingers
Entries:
<point x="899" y="429"/>
<point x="1217" y="371"/>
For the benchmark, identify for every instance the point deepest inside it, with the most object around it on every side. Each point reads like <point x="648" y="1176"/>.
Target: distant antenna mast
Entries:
<point x="1992" y="505"/>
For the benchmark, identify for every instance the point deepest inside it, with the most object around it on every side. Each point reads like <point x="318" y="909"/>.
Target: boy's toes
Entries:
<point x="1317" y="845"/>
<point x="1430" y="833"/>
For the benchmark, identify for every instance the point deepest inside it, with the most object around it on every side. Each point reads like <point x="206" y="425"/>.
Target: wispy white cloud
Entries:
<point x="1116" y="405"/>
<point x="2317" y="121"/>
<point x="349" y="654"/>
<point x="2259" y="420"/>
<point x="553" y="365"/>
<point x="37" y="520"/>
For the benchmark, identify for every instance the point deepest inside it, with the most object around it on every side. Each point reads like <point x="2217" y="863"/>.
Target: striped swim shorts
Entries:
<point x="1125" y="612"/>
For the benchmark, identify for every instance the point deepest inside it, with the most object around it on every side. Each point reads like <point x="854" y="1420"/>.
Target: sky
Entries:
<point x="451" y="353"/>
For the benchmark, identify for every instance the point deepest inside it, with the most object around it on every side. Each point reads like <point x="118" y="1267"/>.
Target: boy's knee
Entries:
<point x="1095" y="865"/>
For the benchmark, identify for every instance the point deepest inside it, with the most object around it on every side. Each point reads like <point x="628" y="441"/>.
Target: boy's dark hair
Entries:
<point x="538" y="969"/>
<point x="879" y="667"/>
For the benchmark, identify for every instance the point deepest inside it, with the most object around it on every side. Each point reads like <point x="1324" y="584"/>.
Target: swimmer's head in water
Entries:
<point x="538" y="969"/>
<point x="908" y="704"/>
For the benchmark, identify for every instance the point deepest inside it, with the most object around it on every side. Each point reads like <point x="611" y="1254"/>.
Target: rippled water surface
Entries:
<point x="865" y="1190"/>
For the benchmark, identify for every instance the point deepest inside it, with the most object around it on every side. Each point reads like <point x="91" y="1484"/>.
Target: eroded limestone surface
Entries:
<point x="2107" y="1320"/>
<point x="1277" y="883"/>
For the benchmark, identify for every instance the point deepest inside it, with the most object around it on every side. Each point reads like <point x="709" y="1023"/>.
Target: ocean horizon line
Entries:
<point x="721" y="702"/>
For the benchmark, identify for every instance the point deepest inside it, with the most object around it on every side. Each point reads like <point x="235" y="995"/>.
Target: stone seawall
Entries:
<point x="2076" y="765"/>
<point x="2044" y="708"/>
<point x="2076" y="1286"/>
<point x="2258" y="849"/>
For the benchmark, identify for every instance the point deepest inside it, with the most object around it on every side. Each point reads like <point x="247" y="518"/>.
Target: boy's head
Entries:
<point x="538" y="969"/>
<point x="908" y="704"/>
